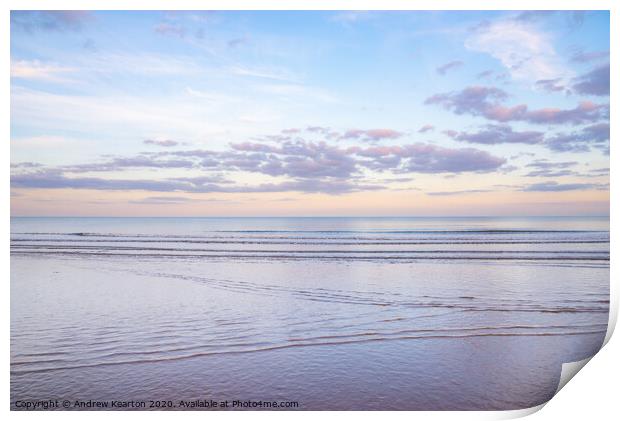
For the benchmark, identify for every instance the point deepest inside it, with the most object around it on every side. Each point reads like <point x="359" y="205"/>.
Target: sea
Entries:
<point x="354" y="313"/>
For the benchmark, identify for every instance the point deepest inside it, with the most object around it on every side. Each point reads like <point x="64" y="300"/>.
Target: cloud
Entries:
<point x="326" y="132"/>
<point x="550" y="173"/>
<point x="533" y="15"/>
<point x="254" y="147"/>
<point x="54" y="179"/>
<point x="551" y="85"/>
<point x="290" y="131"/>
<point x="595" y="82"/>
<point x="123" y="163"/>
<point x="162" y="200"/>
<point x="303" y="159"/>
<point x="306" y="166"/>
<point x="590" y="56"/>
<point x="328" y="186"/>
<point x="575" y="18"/>
<point x="372" y="134"/>
<point x="37" y="70"/>
<point x="457" y="193"/>
<point x="475" y="100"/>
<point x="262" y="73"/>
<point x="553" y="186"/>
<point x="445" y="68"/>
<point x="495" y="134"/>
<point x="584" y="112"/>
<point x="168" y="29"/>
<point x="171" y="200"/>
<point x="521" y="47"/>
<point x="487" y="102"/>
<point x="318" y="129"/>
<point x="164" y="143"/>
<point x="299" y="159"/>
<point x="484" y="74"/>
<point x="544" y="168"/>
<point x="184" y="25"/>
<point x="599" y="172"/>
<point x="427" y="158"/>
<point x="50" y="20"/>
<point x="596" y="135"/>
<point x="26" y="165"/>
<point x="435" y="159"/>
<point x="143" y="63"/>
<point x="237" y="42"/>
<point x="291" y="90"/>
<point x="426" y="128"/>
<point x="45" y="110"/>
<point x="544" y="164"/>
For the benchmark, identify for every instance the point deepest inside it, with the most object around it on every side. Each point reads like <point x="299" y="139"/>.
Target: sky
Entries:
<point x="335" y="113"/>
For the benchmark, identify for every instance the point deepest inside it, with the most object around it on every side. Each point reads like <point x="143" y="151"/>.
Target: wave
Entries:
<point x="310" y="342"/>
<point x="396" y="300"/>
<point x="322" y="243"/>
<point x="426" y="231"/>
<point x="327" y="257"/>
<point x="328" y="251"/>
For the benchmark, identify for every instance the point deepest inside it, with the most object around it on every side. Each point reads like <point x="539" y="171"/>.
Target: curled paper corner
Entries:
<point x="570" y="369"/>
<point x="613" y="318"/>
<point x="568" y="372"/>
<point x="518" y="413"/>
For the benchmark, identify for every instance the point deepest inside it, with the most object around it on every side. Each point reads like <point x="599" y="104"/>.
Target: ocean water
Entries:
<point x="329" y="313"/>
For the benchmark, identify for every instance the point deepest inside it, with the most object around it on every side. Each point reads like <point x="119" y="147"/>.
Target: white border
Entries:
<point x="595" y="385"/>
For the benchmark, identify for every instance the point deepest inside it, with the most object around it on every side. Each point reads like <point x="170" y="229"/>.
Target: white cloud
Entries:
<point x="34" y="69"/>
<point x="527" y="52"/>
<point x="296" y="90"/>
<point x="210" y="96"/>
<point x="274" y="74"/>
<point x="90" y="67"/>
<point x="192" y="115"/>
<point x="52" y="142"/>
<point x="142" y="63"/>
<point x="123" y="113"/>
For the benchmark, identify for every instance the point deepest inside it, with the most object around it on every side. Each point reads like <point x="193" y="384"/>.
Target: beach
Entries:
<point x="328" y="313"/>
